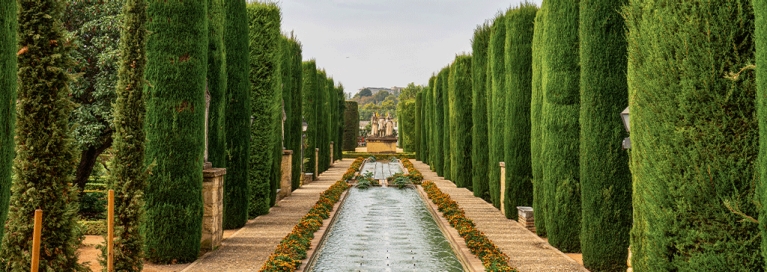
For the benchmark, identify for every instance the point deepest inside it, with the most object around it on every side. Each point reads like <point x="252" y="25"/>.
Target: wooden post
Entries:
<point x="503" y="187"/>
<point x="111" y="231"/>
<point x="36" y="240"/>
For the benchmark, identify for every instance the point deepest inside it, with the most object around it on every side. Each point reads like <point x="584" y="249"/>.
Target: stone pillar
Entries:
<point x="316" y="162"/>
<point x="331" y="153"/>
<point x="628" y="262"/>
<point x="526" y="218"/>
<point x="213" y="213"/>
<point x="286" y="182"/>
<point x="503" y="187"/>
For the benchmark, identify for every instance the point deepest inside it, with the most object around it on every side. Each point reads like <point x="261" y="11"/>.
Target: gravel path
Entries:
<point x="527" y="251"/>
<point x="249" y="248"/>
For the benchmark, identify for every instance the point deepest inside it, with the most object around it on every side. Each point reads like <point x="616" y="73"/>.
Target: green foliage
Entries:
<point x="175" y="127"/>
<point x="444" y="86"/>
<point x="519" y="74"/>
<point x="406" y="116"/>
<point x="93" y="205"/>
<point x="479" y="147"/>
<point x="323" y="125"/>
<point x="264" y="32"/>
<point x="94" y="27"/>
<point x="42" y="168"/>
<point x="96" y="227"/>
<point x="495" y="105"/>
<point x="237" y="114"/>
<point x="341" y="105"/>
<point x="760" y="12"/>
<point x="418" y="126"/>
<point x="460" y="96"/>
<point x="291" y="95"/>
<point x="560" y="76"/>
<point x="216" y="84"/>
<point x="351" y="126"/>
<point x="8" y="70"/>
<point x="605" y="177"/>
<point x="310" y="92"/>
<point x="536" y="135"/>
<point x="436" y="112"/>
<point x="694" y="134"/>
<point x="366" y="180"/>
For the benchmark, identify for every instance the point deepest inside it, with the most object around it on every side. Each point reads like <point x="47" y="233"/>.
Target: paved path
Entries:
<point x="250" y="247"/>
<point x="527" y="251"/>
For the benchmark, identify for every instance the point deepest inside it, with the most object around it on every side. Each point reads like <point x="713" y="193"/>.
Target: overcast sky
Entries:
<point x="385" y="43"/>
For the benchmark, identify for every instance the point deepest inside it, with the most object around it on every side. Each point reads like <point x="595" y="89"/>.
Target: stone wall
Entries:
<point x="213" y="215"/>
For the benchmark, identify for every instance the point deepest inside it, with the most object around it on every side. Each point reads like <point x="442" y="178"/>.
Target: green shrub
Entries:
<point x="216" y="84"/>
<point x="519" y="75"/>
<point x="430" y="122"/>
<point x="42" y="168"/>
<point x="459" y="95"/>
<point x="94" y="227"/>
<point x="292" y="79"/>
<point x="175" y="128"/>
<point x="351" y="126"/>
<point x="309" y="92"/>
<point x="479" y="147"/>
<point x="418" y="125"/>
<point x="237" y="115"/>
<point x="495" y="105"/>
<point x="7" y="107"/>
<point x="341" y="105"/>
<point x="760" y="11"/>
<point x="605" y="177"/>
<point x="536" y="135"/>
<point x="264" y="33"/>
<point x="694" y="134"/>
<point x="443" y="81"/>
<point x="439" y="129"/>
<point x="93" y="205"/>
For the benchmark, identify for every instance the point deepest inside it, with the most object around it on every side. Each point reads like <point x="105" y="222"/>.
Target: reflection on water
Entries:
<point x="385" y="229"/>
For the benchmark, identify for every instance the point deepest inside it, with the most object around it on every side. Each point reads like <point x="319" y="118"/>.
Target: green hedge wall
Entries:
<point x="605" y="177"/>
<point x="323" y="132"/>
<point x="438" y="126"/>
<point x="495" y="105"/>
<point x="44" y="153"/>
<point x="341" y="108"/>
<point x="444" y="85"/>
<point x="291" y="95"/>
<point x="418" y="126"/>
<point x="479" y="148"/>
<point x="519" y="76"/>
<point x="264" y="33"/>
<point x="236" y="192"/>
<point x="536" y="135"/>
<point x="351" y="126"/>
<point x="460" y="96"/>
<point x="429" y="122"/>
<point x="216" y="84"/>
<point x="129" y="181"/>
<point x="310" y="92"/>
<point x="694" y="133"/>
<point x="760" y="11"/>
<point x="175" y="129"/>
<point x="561" y="131"/>
<point x="8" y="71"/>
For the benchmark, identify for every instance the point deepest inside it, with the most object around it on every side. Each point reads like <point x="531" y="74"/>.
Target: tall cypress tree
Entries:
<point x="444" y="83"/>
<point x="128" y="178"/>
<point x="479" y="148"/>
<point x="460" y="97"/>
<point x="561" y="132"/>
<point x="237" y="114"/>
<point x="436" y="124"/>
<point x="536" y="135"/>
<point x="605" y="177"/>
<point x="760" y="12"/>
<point x="8" y="71"/>
<point x="291" y="94"/>
<point x="496" y="104"/>
<point x="323" y="143"/>
<point x="351" y="125"/>
<point x="519" y="75"/>
<point x="175" y="129"/>
<point x="341" y="108"/>
<point x="694" y="136"/>
<point x="216" y="84"/>
<point x="418" y="125"/>
<point x="309" y="92"/>
<point x="44" y="156"/>
<point x="264" y="32"/>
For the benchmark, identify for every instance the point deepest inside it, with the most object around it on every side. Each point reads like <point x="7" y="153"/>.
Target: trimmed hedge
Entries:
<point x="237" y="114"/>
<point x="8" y="70"/>
<point x="479" y="148"/>
<point x="175" y="129"/>
<point x="439" y="126"/>
<point x="605" y="177"/>
<point x="293" y="100"/>
<point x="495" y="105"/>
<point x="418" y="125"/>
<point x="341" y="109"/>
<point x="430" y="122"/>
<point x="694" y="134"/>
<point x="216" y="84"/>
<point x="264" y="33"/>
<point x="519" y="76"/>
<point x="760" y="11"/>
<point x="444" y="86"/>
<point x="309" y="91"/>
<point x="536" y="134"/>
<point x="351" y="126"/>
<point x="459" y="95"/>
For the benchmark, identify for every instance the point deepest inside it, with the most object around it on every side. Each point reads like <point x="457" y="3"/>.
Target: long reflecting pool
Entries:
<point x="385" y="229"/>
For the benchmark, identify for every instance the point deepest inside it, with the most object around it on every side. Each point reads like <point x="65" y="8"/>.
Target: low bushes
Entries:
<point x="414" y="175"/>
<point x="353" y="169"/>
<point x="292" y="248"/>
<point x="492" y="257"/>
<point x="408" y="155"/>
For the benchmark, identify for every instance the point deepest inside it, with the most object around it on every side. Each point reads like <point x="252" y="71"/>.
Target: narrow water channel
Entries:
<point x="385" y="229"/>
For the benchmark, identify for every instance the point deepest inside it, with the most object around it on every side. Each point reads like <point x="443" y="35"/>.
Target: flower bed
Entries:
<point x="413" y="173"/>
<point x="353" y="169"/>
<point x="492" y="257"/>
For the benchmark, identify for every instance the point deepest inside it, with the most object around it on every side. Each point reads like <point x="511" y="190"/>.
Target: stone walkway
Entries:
<point x="527" y="251"/>
<point x="249" y="248"/>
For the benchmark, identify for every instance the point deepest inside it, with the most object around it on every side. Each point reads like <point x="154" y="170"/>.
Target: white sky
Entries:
<point x="385" y="43"/>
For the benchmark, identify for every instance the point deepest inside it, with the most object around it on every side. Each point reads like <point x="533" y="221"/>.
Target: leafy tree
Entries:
<point x="44" y="153"/>
<point x="8" y="70"/>
<point x="95" y="29"/>
<point x="176" y="70"/>
<point x="128" y="177"/>
<point x="364" y="93"/>
<point x="460" y="97"/>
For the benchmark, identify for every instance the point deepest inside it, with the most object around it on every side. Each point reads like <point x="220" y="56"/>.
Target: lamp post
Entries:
<point x="625" y="118"/>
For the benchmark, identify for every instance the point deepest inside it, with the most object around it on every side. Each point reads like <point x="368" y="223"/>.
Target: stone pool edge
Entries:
<point x="469" y="261"/>
<point x="322" y="233"/>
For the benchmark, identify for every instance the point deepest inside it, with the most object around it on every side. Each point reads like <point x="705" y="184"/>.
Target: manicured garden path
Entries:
<point x="249" y="248"/>
<point x="527" y="251"/>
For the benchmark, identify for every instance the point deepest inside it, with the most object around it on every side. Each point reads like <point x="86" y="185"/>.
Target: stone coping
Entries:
<point x="322" y="233"/>
<point x="213" y="172"/>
